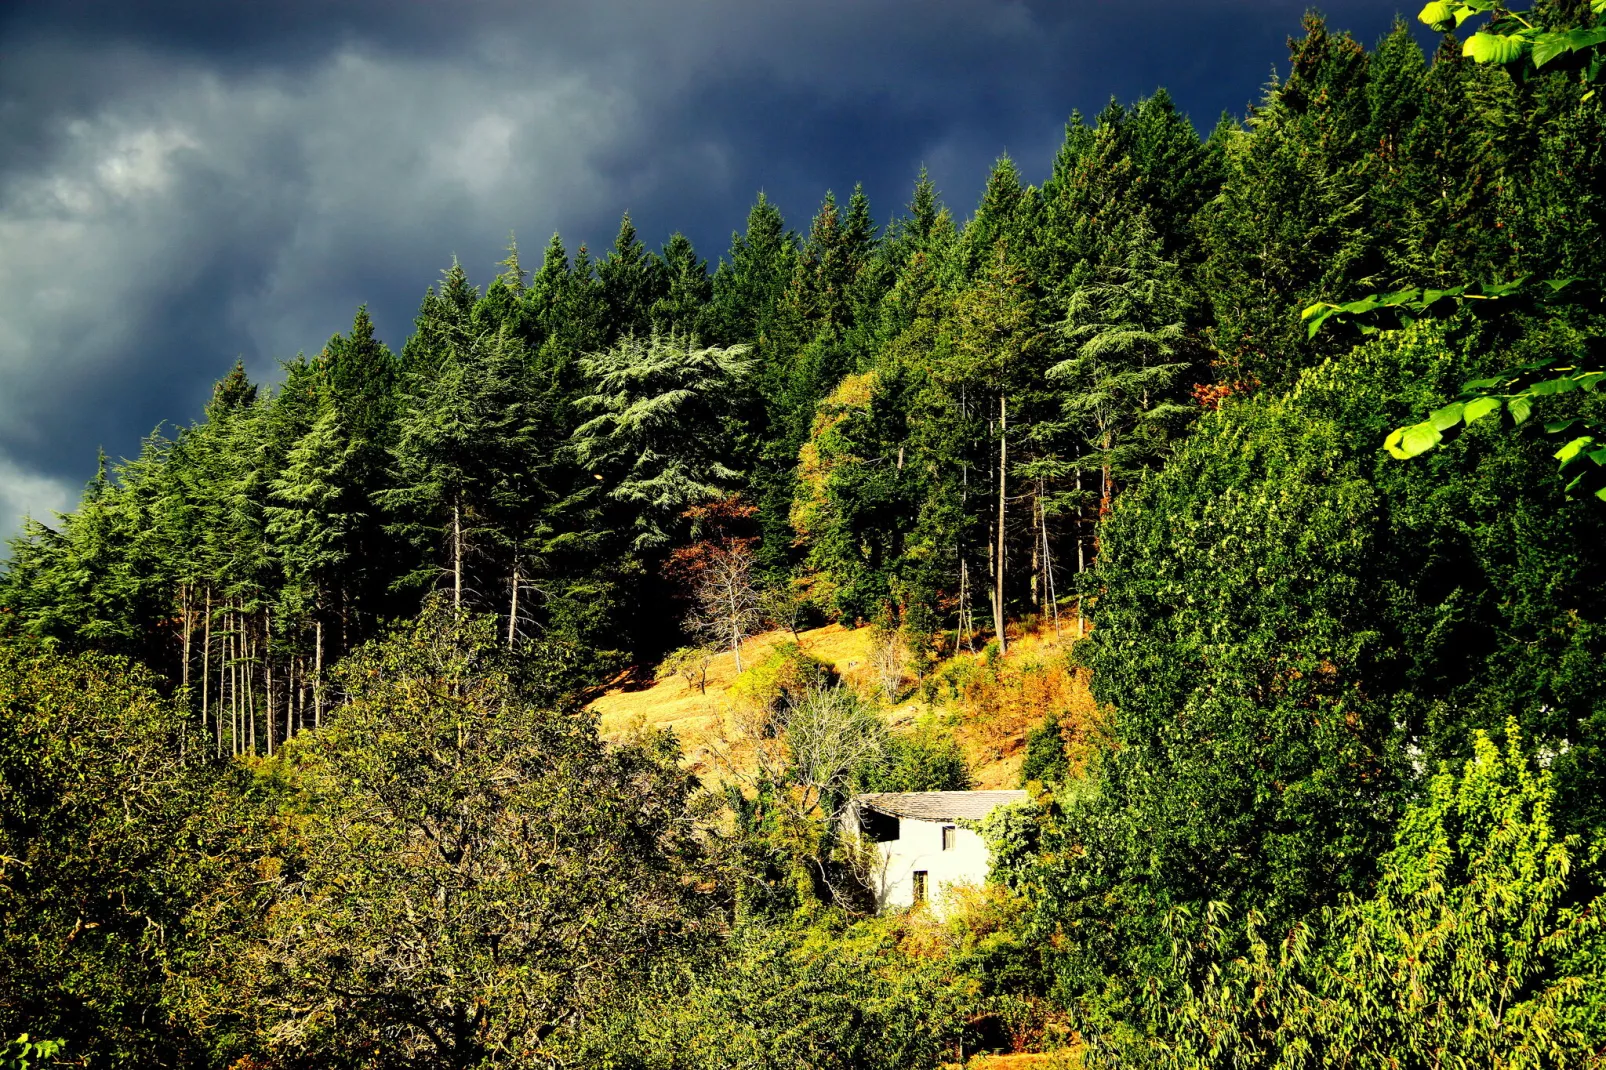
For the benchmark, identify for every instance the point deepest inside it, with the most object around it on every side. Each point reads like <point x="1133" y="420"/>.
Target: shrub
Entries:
<point x="926" y="759"/>
<point x="1466" y="955"/>
<point x="825" y="996"/>
<point x="784" y="677"/>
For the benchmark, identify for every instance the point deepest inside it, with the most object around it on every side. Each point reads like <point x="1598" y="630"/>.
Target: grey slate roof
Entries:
<point x="938" y="805"/>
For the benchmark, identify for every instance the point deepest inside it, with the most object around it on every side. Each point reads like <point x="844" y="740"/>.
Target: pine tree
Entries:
<point x="657" y="435"/>
<point x="316" y="521"/>
<point x="1130" y="350"/>
<point x="1290" y="223"/>
<point x="683" y="308"/>
<point x="632" y="280"/>
<point x="749" y="285"/>
<point x="999" y="217"/>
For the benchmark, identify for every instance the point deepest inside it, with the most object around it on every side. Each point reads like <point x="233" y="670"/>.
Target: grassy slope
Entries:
<point x="988" y="710"/>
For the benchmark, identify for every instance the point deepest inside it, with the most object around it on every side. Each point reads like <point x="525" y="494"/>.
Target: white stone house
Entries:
<point x="920" y="846"/>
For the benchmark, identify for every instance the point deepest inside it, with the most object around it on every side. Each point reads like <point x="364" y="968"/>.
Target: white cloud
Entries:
<point x="166" y="206"/>
<point x="193" y="217"/>
<point x="25" y="494"/>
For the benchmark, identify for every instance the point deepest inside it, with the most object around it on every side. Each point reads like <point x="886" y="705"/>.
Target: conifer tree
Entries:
<point x="1290" y="223"/>
<point x="1129" y="349"/>
<point x="749" y="285"/>
<point x="632" y="280"/>
<point x="658" y="436"/>
<point x="999" y="217"/>
<point x="683" y="308"/>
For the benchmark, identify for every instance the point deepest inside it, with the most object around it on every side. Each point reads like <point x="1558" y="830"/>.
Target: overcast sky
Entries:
<point x="182" y="183"/>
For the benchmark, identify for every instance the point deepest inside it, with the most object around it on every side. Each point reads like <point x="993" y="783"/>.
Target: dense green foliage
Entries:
<point x="1480" y="946"/>
<point x="113" y="824"/>
<point x="294" y="764"/>
<point x="467" y="869"/>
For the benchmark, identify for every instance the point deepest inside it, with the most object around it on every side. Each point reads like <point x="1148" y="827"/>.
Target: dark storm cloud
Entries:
<point x="181" y="183"/>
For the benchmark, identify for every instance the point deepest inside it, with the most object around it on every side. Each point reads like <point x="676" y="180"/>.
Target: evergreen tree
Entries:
<point x="658" y="435"/>
<point x="632" y="281"/>
<point x="683" y="309"/>
<point x="749" y="285"/>
<point x="1129" y="350"/>
<point x="1290" y="223"/>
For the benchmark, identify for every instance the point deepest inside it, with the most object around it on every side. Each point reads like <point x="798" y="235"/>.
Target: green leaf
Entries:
<point x="1408" y="442"/>
<point x="1568" y="453"/>
<point x="1493" y="48"/>
<point x="1546" y="387"/>
<point x="1438" y="14"/>
<point x="1510" y="286"/>
<point x="1447" y="417"/>
<point x="1399" y="297"/>
<point x="1317" y="314"/>
<point x="1472" y="386"/>
<point x="1547" y="46"/>
<point x="1556" y="427"/>
<point x="1478" y="408"/>
<point x="1521" y="407"/>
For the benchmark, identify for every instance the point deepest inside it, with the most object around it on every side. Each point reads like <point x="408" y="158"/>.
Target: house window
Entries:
<point x="948" y="832"/>
<point x="920" y="886"/>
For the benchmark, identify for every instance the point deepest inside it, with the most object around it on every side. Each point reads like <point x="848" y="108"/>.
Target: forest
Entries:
<point x="1287" y="431"/>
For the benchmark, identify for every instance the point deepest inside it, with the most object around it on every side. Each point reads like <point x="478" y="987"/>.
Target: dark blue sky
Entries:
<point x="182" y="183"/>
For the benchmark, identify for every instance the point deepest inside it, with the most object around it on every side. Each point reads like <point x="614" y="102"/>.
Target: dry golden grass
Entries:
<point x="994" y="710"/>
<point x="1024" y="1060"/>
<point x="990" y="716"/>
<point x="697" y="717"/>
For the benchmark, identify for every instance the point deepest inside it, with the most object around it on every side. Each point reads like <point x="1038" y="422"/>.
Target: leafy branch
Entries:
<point x="1510" y="37"/>
<point x="1400" y="308"/>
<point x="1513" y="394"/>
<point x="1510" y="394"/>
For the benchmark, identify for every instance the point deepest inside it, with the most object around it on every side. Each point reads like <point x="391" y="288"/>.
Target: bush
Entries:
<point x="1045" y="759"/>
<point x="827" y="996"/>
<point x="1466" y="955"/>
<point x="783" y="678"/>
<point x="111" y="827"/>
<point x="926" y="759"/>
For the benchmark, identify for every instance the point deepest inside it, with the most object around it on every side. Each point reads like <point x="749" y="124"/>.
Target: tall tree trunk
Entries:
<point x="1038" y="587"/>
<point x="206" y="660"/>
<point x="998" y="571"/>
<point x="250" y="690"/>
<point x="317" y="677"/>
<point x="966" y="617"/>
<point x="267" y="670"/>
<point x="1048" y="561"/>
<point x="234" y="684"/>
<point x="513" y="608"/>
<point x="965" y="635"/>
<point x="457" y="556"/>
<point x="1081" y="555"/>
<point x="292" y="705"/>
<point x="184" y="674"/>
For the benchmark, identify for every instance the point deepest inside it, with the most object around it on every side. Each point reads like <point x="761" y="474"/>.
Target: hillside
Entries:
<point x="988" y="708"/>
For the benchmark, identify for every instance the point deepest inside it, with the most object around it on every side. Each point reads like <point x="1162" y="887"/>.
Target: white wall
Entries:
<point x="919" y="847"/>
